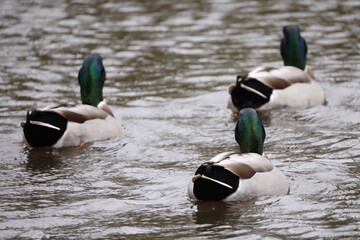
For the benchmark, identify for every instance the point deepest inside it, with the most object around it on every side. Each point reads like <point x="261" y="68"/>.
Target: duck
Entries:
<point x="293" y="85"/>
<point x="74" y="125"/>
<point x="240" y="175"/>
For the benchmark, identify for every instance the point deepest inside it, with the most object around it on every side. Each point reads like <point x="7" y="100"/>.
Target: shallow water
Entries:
<point x="169" y="64"/>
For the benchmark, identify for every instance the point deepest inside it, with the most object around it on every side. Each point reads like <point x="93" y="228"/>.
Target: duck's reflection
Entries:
<point x="48" y="159"/>
<point x="264" y="116"/>
<point x="42" y="159"/>
<point x="213" y="212"/>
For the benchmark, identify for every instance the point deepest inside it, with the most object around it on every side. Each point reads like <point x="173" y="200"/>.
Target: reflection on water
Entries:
<point x="218" y="212"/>
<point x="42" y="160"/>
<point x="169" y="65"/>
<point x="51" y="159"/>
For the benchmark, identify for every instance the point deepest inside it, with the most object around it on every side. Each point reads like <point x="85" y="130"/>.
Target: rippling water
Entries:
<point x="169" y="64"/>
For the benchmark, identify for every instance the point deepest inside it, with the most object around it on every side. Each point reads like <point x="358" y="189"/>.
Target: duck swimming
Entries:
<point x="243" y="175"/>
<point x="63" y="126"/>
<point x="293" y="85"/>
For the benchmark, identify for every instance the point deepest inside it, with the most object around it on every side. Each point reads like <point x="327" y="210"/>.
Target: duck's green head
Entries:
<point x="249" y="132"/>
<point x="91" y="79"/>
<point x="293" y="47"/>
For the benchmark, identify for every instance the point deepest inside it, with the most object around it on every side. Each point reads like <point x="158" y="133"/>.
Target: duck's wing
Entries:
<point x="310" y="72"/>
<point x="279" y="78"/>
<point x="78" y="113"/>
<point x="105" y="107"/>
<point x="243" y="165"/>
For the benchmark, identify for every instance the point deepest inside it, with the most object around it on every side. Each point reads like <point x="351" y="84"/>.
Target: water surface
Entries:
<point x="169" y="64"/>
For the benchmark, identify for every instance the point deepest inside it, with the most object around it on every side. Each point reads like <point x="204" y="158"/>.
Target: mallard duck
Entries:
<point x="62" y="126"/>
<point x="240" y="176"/>
<point x="293" y="85"/>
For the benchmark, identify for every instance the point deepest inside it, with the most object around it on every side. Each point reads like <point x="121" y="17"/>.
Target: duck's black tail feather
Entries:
<point x="250" y="93"/>
<point x="43" y="129"/>
<point x="214" y="183"/>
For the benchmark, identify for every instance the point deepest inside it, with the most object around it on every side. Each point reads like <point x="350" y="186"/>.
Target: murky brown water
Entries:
<point x="169" y="64"/>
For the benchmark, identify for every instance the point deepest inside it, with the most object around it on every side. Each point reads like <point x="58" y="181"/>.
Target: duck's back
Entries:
<point x="298" y="95"/>
<point x="90" y="131"/>
<point x="273" y="183"/>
